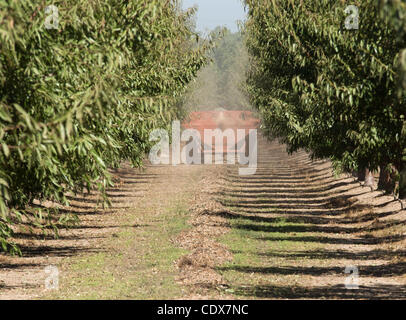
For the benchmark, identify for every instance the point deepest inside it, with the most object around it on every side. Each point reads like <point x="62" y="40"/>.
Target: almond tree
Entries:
<point x="394" y="11"/>
<point x="82" y="83"/>
<point x="325" y="88"/>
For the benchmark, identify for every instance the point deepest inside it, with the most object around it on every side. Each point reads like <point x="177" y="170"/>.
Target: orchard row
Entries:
<point x="82" y="97"/>
<point x="337" y="93"/>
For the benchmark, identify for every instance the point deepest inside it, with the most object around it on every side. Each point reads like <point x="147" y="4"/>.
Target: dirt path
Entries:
<point x="202" y="232"/>
<point x="130" y="251"/>
<point x="295" y="229"/>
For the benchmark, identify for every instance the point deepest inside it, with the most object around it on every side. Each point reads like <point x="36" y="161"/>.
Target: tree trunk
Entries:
<point x="402" y="183"/>
<point x="361" y="174"/>
<point x="369" y="179"/>
<point x="387" y="181"/>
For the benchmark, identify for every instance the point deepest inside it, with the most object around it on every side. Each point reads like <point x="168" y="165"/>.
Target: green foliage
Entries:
<point x="220" y="84"/>
<point x="324" y="88"/>
<point x="394" y="11"/>
<point x="77" y="100"/>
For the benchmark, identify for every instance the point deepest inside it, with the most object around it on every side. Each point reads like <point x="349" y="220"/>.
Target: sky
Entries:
<point x="213" y="13"/>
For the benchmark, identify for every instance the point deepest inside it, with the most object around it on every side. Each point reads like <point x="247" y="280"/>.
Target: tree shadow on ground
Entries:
<point x="376" y="292"/>
<point x="336" y="240"/>
<point x="56" y="251"/>
<point x="382" y="270"/>
<point x="328" y="254"/>
<point x="300" y="228"/>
